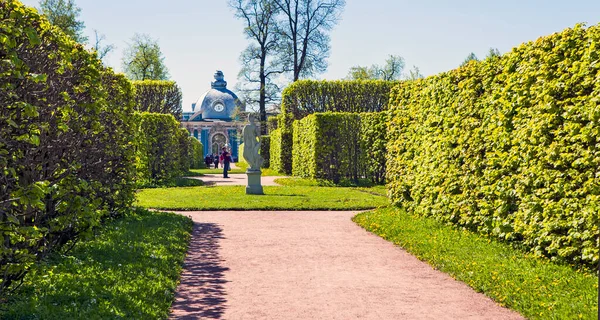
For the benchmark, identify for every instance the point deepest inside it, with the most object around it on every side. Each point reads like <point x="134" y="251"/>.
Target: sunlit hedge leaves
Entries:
<point x="507" y="146"/>
<point x="66" y="153"/>
<point x="336" y="146"/>
<point x="164" y="151"/>
<point x="306" y="97"/>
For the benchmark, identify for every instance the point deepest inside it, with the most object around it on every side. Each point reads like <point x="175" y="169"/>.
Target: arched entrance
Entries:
<point x="217" y="142"/>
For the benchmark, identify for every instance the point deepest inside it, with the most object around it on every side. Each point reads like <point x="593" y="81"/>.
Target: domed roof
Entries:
<point x="218" y="102"/>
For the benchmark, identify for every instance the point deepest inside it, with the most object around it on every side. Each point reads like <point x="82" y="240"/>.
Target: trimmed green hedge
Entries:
<point x="66" y="133"/>
<point x="275" y="161"/>
<point x="336" y="146"/>
<point x="373" y="144"/>
<point x="306" y="97"/>
<point x="158" y="96"/>
<point x="508" y="146"/>
<point x="272" y="123"/>
<point x="265" y="149"/>
<point x="195" y="155"/>
<point x="162" y="148"/>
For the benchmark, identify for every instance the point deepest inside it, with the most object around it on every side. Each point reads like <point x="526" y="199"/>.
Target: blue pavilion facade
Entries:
<point x="213" y="120"/>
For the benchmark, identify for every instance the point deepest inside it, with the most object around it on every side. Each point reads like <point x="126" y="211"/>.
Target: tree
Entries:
<point x="258" y="64"/>
<point x="359" y="73"/>
<point x="493" y="53"/>
<point x="392" y="70"/>
<point x="469" y="58"/>
<point x="64" y="14"/>
<point x="414" y="74"/>
<point x="304" y="30"/>
<point x="143" y="60"/>
<point x="101" y="50"/>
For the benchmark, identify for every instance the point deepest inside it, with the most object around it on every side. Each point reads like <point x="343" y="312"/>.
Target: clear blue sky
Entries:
<point x="198" y="37"/>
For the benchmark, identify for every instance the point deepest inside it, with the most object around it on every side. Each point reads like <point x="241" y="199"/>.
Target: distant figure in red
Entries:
<point x="226" y="160"/>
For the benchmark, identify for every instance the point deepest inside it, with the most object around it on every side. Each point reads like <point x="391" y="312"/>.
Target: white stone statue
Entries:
<point x="251" y="135"/>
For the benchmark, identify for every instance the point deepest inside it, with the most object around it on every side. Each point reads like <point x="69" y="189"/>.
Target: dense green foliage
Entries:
<point x="334" y="146"/>
<point x="275" y="198"/>
<point x="508" y="146"/>
<point x="373" y="145"/>
<point x="195" y="153"/>
<point x="306" y="97"/>
<point x="143" y="60"/>
<point x="272" y="123"/>
<point x="66" y="155"/>
<point x="275" y="160"/>
<point x="536" y="288"/>
<point x="265" y="148"/>
<point x="163" y="150"/>
<point x="64" y="14"/>
<point x="129" y="270"/>
<point x="158" y="96"/>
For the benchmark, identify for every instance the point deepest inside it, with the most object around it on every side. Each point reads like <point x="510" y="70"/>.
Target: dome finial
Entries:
<point x="219" y="83"/>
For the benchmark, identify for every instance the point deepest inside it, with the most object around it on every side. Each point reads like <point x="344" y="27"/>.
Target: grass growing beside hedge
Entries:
<point x="536" y="288"/>
<point x="129" y="270"/>
<point x="275" y="198"/>
<point x="176" y="182"/>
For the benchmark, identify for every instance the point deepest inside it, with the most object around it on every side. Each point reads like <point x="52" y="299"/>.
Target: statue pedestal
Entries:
<point x="254" y="186"/>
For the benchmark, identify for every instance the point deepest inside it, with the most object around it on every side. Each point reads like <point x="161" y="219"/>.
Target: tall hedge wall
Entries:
<point x="336" y="146"/>
<point x="373" y="145"/>
<point x="265" y="149"/>
<point x="162" y="147"/>
<point x="66" y="155"/>
<point x="158" y="96"/>
<point x="275" y="161"/>
<point x="508" y="146"/>
<point x="306" y="97"/>
<point x="195" y="154"/>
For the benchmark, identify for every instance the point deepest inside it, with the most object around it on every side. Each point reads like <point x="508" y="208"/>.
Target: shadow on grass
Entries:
<point x="201" y="294"/>
<point x="127" y="270"/>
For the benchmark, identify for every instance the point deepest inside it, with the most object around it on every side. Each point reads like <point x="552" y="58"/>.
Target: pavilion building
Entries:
<point x="215" y="118"/>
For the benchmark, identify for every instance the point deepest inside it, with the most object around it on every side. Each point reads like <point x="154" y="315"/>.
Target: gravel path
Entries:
<point x="237" y="179"/>
<point x="312" y="265"/>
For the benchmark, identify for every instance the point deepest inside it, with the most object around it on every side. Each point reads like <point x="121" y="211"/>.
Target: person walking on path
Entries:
<point x="226" y="160"/>
<point x="216" y="161"/>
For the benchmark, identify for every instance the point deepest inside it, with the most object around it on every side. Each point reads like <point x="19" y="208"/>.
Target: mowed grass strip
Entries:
<point x="537" y="288"/>
<point x="129" y="270"/>
<point x="275" y="198"/>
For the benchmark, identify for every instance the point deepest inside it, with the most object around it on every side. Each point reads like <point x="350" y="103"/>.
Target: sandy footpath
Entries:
<point x="312" y="265"/>
<point x="238" y="179"/>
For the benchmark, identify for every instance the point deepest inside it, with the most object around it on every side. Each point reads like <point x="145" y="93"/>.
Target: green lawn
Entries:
<point x="128" y="271"/>
<point x="536" y="288"/>
<point x="275" y="198"/>
<point x="176" y="182"/>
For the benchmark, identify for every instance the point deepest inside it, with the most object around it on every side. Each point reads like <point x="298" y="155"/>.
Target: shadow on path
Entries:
<point x="201" y="294"/>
